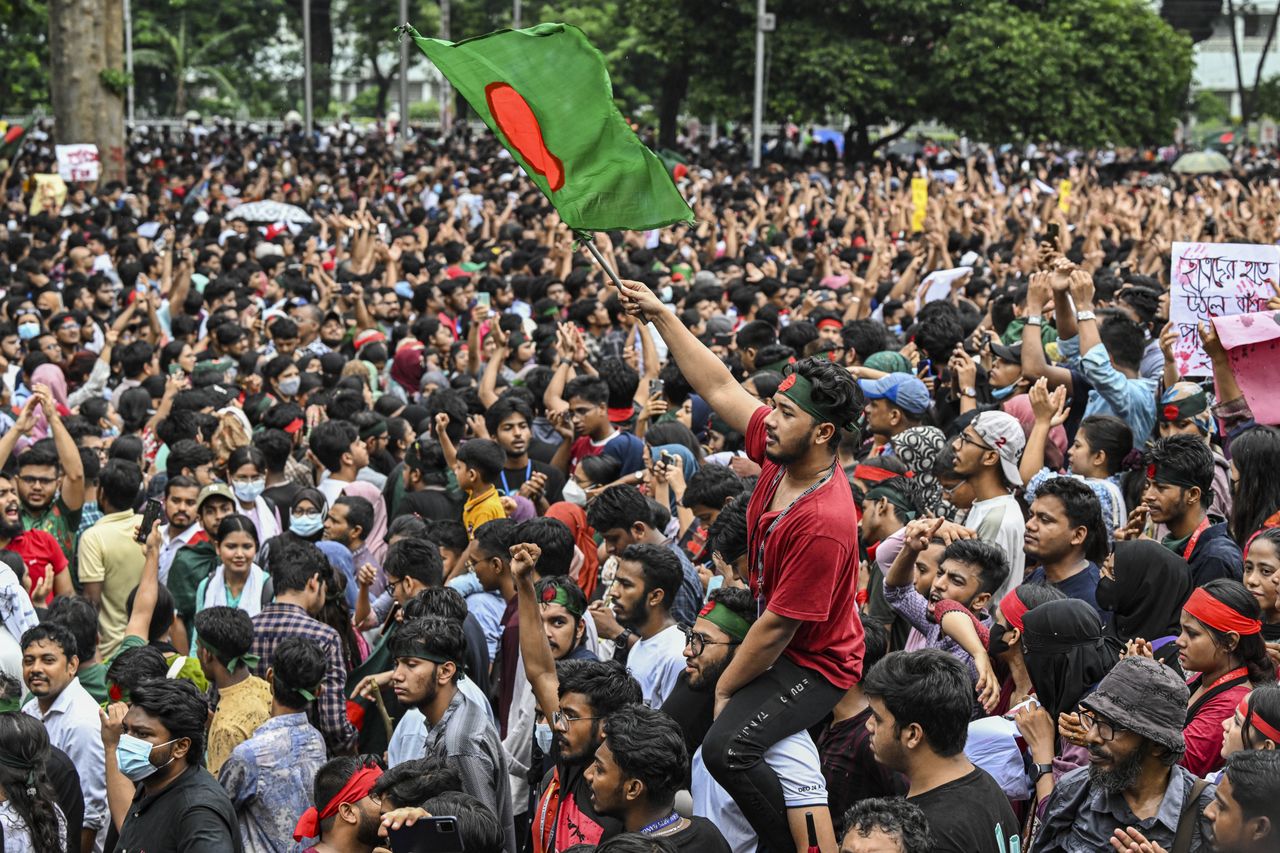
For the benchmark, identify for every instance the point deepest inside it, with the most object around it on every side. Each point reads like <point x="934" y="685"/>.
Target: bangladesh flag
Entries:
<point x="545" y="93"/>
<point x="11" y="141"/>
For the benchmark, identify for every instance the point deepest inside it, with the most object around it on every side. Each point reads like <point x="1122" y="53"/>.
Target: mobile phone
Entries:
<point x="656" y="387"/>
<point x="483" y="300"/>
<point x="926" y="366"/>
<point x="150" y="515"/>
<point x="427" y="835"/>
<point x="1052" y="232"/>
<point x="669" y="458"/>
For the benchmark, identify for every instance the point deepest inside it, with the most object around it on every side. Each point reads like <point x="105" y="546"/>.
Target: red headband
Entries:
<point x="1251" y="719"/>
<point x="872" y="474"/>
<point x="356" y="789"/>
<point x="1013" y="608"/>
<point x="1219" y="616"/>
<point x="293" y="426"/>
<point x="829" y="322"/>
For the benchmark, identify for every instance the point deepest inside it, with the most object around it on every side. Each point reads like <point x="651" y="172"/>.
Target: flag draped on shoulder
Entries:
<point x="545" y="93"/>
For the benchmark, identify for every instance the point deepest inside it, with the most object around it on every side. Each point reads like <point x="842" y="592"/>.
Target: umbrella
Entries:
<point x="823" y="135"/>
<point x="1202" y="163"/>
<point x="270" y="211"/>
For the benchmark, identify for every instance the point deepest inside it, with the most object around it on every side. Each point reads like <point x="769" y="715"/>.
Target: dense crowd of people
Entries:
<point x="832" y="523"/>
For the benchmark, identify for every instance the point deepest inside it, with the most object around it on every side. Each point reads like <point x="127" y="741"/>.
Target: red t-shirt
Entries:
<point x="38" y="549"/>
<point x="810" y="566"/>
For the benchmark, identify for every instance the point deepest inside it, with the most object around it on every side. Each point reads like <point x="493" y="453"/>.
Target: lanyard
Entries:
<point x="658" y="825"/>
<point x="528" y="472"/>
<point x="1195" y="537"/>
<point x="757" y="571"/>
<point x="1235" y="673"/>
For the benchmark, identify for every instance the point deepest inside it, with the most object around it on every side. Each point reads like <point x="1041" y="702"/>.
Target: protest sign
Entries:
<point x="1064" y="195"/>
<point x="1252" y="342"/>
<point x="49" y="194"/>
<point x="938" y="284"/>
<point x="1216" y="280"/>
<point x="78" y="162"/>
<point x="919" y="203"/>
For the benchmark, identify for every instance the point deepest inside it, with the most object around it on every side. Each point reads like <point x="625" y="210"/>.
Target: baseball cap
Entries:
<point x="902" y="389"/>
<point x="1011" y="354"/>
<point x="215" y="490"/>
<point x="1002" y="432"/>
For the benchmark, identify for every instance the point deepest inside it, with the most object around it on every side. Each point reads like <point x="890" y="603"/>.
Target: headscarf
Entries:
<point x="407" y="368"/>
<point x="317" y="500"/>
<point x="918" y="447"/>
<point x="1056" y="449"/>
<point x="374" y="539"/>
<point x="575" y="518"/>
<point x="887" y="361"/>
<point x="525" y="509"/>
<point x="701" y="417"/>
<point x="1065" y="653"/>
<point x="689" y="462"/>
<point x="1152" y="583"/>
<point x="51" y="375"/>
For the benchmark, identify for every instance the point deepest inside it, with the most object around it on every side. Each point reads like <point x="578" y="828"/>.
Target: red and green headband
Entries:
<point x="725" y="619"/>
<point x="552" y="594"/>
<point x="1184" y="409"/>
<point x="799" y="390"/>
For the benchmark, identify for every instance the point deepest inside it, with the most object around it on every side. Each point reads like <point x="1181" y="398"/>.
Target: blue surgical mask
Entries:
<point x="27" y="331"/>
<point x="250" y="491"/>
<point x="543" y="735"/>
<point x="133" y="757"/>
<point x="1001" y="393"/>
<point x="306" y="525"/>
<point x="289" y="387"/>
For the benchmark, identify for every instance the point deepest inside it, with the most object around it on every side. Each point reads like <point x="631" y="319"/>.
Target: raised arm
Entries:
<point x="705" y="372"/>
<point x="72" y="489"/>
<point x="144" y="600"/>
<point x="539" y="664"/>
<point x="1034" y="363"/>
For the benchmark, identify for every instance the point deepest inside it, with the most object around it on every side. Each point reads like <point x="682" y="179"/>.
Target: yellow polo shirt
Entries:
<point x="109" y="555"/>
<point x="480" y="508"/>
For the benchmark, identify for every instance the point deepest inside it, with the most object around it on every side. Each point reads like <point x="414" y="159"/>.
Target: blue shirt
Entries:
<point x="1083" y="585"/>
<point x="269" y="779"/>
<point x="1113" y="393"/>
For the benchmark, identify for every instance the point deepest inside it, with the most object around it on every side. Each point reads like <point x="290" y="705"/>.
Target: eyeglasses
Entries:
<point x="1107" y="730"/>
<point x="561" y="720"/>
<point x="697" y="643"/>
<point x="964" y="437"/>
<point x="37" y="481"/>
<point x="391" y="585"/>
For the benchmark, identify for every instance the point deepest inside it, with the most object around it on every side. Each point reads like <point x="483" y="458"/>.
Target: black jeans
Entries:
<point x="784" y="700"/>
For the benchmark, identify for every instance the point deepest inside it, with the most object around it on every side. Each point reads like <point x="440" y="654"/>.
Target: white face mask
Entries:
<point x="542" y="734"/>
<point x="574" y="493"/>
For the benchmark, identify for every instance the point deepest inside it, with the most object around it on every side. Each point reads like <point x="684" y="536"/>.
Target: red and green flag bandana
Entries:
<point x="546" y="95"/>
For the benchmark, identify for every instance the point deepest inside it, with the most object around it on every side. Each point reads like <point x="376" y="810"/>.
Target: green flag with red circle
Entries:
<point x="546" y="95"/>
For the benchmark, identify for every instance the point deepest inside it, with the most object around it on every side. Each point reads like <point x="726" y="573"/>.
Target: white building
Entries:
<point x="1215" y="61"/>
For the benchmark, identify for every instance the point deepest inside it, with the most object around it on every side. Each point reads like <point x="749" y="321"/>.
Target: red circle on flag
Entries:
<point x="515" y="118"/>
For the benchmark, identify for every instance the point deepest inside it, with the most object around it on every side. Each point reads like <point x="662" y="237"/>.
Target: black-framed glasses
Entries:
<point x="1107" y="730"/>
<point x="964" y="437"/>
<point x="697" y="643"/>
<point x="37" y="481"/>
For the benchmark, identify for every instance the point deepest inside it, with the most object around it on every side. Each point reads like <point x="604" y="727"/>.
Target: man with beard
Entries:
<point x="39" y="550"/>
<point x="575" y="697"/>
<point x="709" y="648"/>
<point x="345" y="818"/>
<point x="639" y="605"/>
<point x="429" y="656"/>
<point x="805" y="650"/>
<point x="50" y="480"/>
<point x="1134" y="726"/>
<point x="180" y="494"/>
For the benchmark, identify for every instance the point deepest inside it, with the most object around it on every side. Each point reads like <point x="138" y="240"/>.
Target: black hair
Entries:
<point x="937" y="330"/>
<point x="1256" y="455"/>
<point x="1124" y="340"/>
<point x="661" y="568"/>
<point x="443" y="638"/>
<point x="410" y="527"/>
<point x="292" y="564"/>
<point x="1109" y="435"/>
<point x="414" y="782"/>
<point x="24" y="754"/>
<point x="834" y="390"/>
<point x="929" y="688"/>
<point x="618" y="506"/>
<point x="330" y="440"/>
<point x="628" y="842"/>
<point x="118" y="485"/>
<point x="554" y="538"/>
<point x="622" y="380"/>
<point x="79" y="615"/>
<point x="1255" y="783"/>
<point x="180" y="708"/>
<point x="39" y="455"/>
<point x="438" y="601"/>
<point x="892" y="816"/>
<point x="674" y="432"/>
<point x="864" y="337"/>
<point x="134" y="408"/>
<point x="577" y="598"/>
<point x="990" y="560"/>
<point x="236" y="523"/>
<point x="297" y="664"/>
<point x="727" y="535"/>
<point x="1252" y="649"/>
<point x="246" y="455"/>
<point x="906" y="489"/>
<point x="359" y="513"/>
<point x="1264" y="703"/>
<point x="484" y="456"/>
<point x="412" y="558"/>
<point x="445" y="532"/>
<point x="135" y="357"/>
<point x="333" y="777"/>
<point x="606" y="684"/>
<point x="503" y="408"/>
<point x="589" y="388"/>
<point x="647" y="745"/>
<point x="187" y="454"/>
<point x="601" y="469"/>
<point x="755" y="335"/>
<point x="227" y="629"/>
<point x="1083" y="509"/>
<point x="131" y="667"/>
<point x="54" y="632"/>
<point x="127" y="448"/>
<point x="275" y="446"/>
<point x="179" y="481"/>
<point x="161" y="614"/>
<point x="1187" y="458"/>
<point x="477" y="824"/>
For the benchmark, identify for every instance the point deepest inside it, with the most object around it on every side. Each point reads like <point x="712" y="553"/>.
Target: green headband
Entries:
<point x="309" y="695"/>
<point x="1184" y="409"/>
<point x="894" y="497"/>
<point x="777" y="366"/>
<point x="799" y="390"/>
<point x="725" y="619"/>
<point x="552" y="594"/>
<point x="248" y="661"/>
<point x="374" y="430"/>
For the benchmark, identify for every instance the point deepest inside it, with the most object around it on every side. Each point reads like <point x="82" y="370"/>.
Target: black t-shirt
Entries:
<point x="511" y="479"/>
<point x="431" y="503"/>
<point x="281" y="497"/>
<point x="700" y="836"/>
<point x="966" y="815"/>
<point x="192" y="813"/>
<point x="65" y="780"/>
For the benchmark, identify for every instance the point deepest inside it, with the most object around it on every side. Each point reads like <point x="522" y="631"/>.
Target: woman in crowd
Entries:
<point x="238" y="581"/>
<point x="1144" y="585"/>
<point x="1262" y="578"/>
<point x="246" y="471"/>
<point x="30" y="818"/>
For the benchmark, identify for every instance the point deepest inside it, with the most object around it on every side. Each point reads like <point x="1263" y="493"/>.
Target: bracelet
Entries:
<point x="1034" y="320"/>
<point x="1085" y="315"/>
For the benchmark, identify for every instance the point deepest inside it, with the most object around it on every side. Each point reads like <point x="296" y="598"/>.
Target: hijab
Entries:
<point x="701" y="417"/>
<point x="406" y="370"/>
<point x="1152" y="583"/>
<point x="575" y="518"/>
<point x="1065" y="653"/>
<point x="52" y="376"/>
<point x="689" y="462"/>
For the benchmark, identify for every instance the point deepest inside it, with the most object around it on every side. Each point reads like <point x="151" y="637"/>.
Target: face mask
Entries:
<point x="574" y="493"/>
<point x="289" y="387"/>
<point x="542" y="734"/>
<point x="998" y="645"/>
<point x="1001" y="393"/>
<point x="306" y="525"/>
<point x="896" y="328"/>
<point x="111" y="431"/>
<point x="133" y="756"/>
<point x="27" y="331"/>
<point x="250" y="491"/>
<point x="665" y="293"/>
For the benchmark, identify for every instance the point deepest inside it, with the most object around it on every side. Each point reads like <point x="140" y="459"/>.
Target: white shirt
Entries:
<point x="999" y="521"/>
<point x="795" y="761"/>
<point x="74" y="727"/>
<point x="332" y="489"/>
<point x="17" y="835"/>
<point x="171" y="545"/>
<point x="656" y="663"/>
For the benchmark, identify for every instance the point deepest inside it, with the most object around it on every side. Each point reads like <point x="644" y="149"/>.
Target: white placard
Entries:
<point x="1216" y="280"/>
<point x="79" y="162"/>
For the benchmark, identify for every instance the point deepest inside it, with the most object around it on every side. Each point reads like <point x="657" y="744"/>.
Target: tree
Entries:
<point x="86" y="47"/>
<point x="372" y="23"/>
<point x="24" y="71"/>
<point x="184" y="60"/>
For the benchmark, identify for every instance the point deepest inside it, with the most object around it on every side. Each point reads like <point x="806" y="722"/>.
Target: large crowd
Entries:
<point x="396" y="522"/>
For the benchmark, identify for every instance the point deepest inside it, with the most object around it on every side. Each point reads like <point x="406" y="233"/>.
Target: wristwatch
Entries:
<point x="1035" y="320"/>
<point x="1085" y="315"/>
<point x="969" y="392"/>
<point x="621" y="639"/>
<point x="1038" y="770"/>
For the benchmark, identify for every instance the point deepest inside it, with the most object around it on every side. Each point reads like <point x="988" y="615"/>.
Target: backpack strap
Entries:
<point x="1187" y="820"/>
